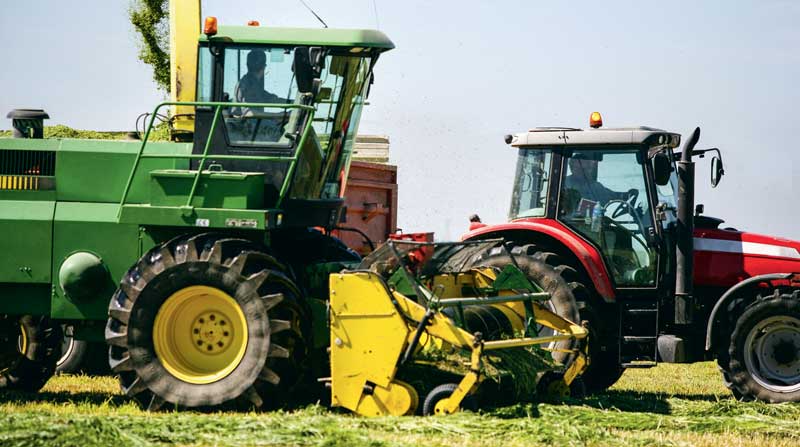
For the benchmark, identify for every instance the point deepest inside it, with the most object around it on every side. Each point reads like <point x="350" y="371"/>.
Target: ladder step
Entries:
<point x="639" y="339"/>
<point x="642" y="365"/>
<point x="641" y="311"/>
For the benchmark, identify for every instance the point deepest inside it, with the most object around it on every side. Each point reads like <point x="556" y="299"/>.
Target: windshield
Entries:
<point x="529" y="198"/>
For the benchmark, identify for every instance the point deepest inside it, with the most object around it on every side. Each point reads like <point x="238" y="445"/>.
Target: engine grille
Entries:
<point x="27" y="170"/>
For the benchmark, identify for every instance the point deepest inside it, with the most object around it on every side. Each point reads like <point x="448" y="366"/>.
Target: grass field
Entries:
<point x="668" y="405"/>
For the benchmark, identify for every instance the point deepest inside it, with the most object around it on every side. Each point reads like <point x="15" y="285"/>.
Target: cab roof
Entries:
<point x="548" y="136"/>
<point x="266" y="35"/>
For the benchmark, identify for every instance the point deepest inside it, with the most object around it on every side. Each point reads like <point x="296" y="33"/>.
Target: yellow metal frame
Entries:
<point x="184" y="31"/>
<point x="371" y="328"/>
<point x="200" y="334"/>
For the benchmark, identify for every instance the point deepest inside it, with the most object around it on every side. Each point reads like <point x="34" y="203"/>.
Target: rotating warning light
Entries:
<point x="253" y="23"/>
<point x="210" y="27"/>
<point x="595" y="120"/>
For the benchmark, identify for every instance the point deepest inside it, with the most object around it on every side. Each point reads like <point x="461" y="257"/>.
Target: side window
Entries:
<point x="604" y="197"/>
<point x="529" y="198"/>
<point x="204" y="70"/>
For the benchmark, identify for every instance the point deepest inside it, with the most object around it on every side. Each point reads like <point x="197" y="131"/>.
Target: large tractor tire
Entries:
<point x="764" y="352"/>
<point x="570" y="299"/>
<point x="562" y="299"/>
<point x="29" y="349"/>
<point x="206" y="320"/>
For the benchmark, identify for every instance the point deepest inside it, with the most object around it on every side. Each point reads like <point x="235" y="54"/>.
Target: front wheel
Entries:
<point x="203" y="321"/>
<point x="765" y="350"/>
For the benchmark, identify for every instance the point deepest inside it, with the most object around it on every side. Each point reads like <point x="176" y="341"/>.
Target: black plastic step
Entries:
<point x="640" y="365"/>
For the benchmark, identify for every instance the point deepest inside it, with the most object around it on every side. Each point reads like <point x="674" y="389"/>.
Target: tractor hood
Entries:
<point x="723" y="257"/>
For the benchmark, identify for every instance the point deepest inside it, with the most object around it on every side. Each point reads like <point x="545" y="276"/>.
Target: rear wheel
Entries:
<point x="73" y="352"/>
<point x="562" y="299"/>
<point x="29" y="349"/>
<point x="203" y="321"/>
<point x="764" y="350"/>
<point x="571" y="300"/>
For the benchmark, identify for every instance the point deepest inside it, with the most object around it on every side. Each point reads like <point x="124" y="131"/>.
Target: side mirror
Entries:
<point x="307" y="67"/>
<point x="717" y="171"/>
<point x="662" y="167"/>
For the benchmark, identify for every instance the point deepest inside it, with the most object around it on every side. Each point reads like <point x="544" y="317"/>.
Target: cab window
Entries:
<point x="604" y="198"/>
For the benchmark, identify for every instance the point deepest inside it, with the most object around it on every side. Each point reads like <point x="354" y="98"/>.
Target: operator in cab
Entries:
<point x="583" y="190"/>
<point x="250" y="87"/>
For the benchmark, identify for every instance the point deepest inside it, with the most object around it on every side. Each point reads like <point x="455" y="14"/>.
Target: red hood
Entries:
<point x="725" y="257"/>
<point x="751" y="244"/>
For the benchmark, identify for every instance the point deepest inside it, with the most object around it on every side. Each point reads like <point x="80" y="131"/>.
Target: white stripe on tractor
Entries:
<point x="748" y="248"/>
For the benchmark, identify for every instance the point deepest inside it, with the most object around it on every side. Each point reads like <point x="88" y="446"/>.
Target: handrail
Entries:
<point x="218" y="106"/>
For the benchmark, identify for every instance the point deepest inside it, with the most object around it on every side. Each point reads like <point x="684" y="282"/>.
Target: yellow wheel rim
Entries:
<point x="200" y="334"/>
<point x="23" y="340"/>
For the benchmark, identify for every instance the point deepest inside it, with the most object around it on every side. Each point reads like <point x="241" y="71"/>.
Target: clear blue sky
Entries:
<point x="466" y="73"/>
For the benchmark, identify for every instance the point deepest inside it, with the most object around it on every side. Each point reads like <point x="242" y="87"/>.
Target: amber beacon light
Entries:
<point x="595" y="120"/>
<point x="210" y="27"/>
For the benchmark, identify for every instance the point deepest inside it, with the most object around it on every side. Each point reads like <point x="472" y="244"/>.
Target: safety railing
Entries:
<point x="218" y="106"/>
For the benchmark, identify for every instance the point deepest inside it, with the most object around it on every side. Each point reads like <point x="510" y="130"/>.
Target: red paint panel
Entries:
<point x="723" y="258"/>
<point x="586" y="253"/>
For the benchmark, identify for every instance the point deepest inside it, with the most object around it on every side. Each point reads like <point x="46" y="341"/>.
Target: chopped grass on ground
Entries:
<point x="670" y="405"/>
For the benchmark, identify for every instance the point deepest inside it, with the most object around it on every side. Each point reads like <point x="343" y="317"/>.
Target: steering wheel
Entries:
<point x="626" y="207"/>
<point x="630" y="203"/>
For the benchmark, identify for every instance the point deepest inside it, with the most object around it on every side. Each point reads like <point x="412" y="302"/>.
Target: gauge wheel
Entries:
<point x="442" y="392"/>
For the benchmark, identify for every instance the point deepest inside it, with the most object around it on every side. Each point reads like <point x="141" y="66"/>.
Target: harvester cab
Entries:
<point x="274" y="119"/>
<point x="411" y="306"/>
<point x="612" y="212"/>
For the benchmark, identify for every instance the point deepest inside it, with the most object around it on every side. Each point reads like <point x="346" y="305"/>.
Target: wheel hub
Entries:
<point x="772" y="348"/>
<point x="200" y="334"/>
<point x="211" y="332"/>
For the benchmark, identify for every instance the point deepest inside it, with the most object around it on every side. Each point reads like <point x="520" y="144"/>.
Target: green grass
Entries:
<point x="671" y="405"/>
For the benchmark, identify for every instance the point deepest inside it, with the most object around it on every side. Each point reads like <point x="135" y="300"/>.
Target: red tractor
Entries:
<point x="604" y="217"/>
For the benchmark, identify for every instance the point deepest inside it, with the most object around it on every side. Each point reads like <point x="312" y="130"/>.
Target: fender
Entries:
<point x="730" y="293"/>
<point x="588" y="256"/>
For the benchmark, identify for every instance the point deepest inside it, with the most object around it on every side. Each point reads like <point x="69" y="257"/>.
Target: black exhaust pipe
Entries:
<point x="684" y="272"/>
<point x="28" y="123"/>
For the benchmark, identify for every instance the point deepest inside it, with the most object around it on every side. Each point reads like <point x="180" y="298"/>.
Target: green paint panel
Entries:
<point x="303" y="36"/>
<point x="93" y="228"/>
<point x="30" y="144"/>
<point x="173" y="216"/>
<point x="27" y="229"/>
<point x="512" y="278"/>
<point x="214" y="189"/>
<point x="96" y="170"/>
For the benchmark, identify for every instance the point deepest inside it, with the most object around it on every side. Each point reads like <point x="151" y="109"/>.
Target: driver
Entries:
<point x="251" y="87"/>
<point x="583" y="180"/>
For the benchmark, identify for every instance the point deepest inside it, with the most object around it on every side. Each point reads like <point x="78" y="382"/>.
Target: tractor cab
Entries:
<point x="616" y="188"/>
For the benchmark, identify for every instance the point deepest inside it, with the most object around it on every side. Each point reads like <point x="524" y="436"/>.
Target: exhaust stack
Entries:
<point x="28" y="123"/>
<point x="684" y="274"/>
